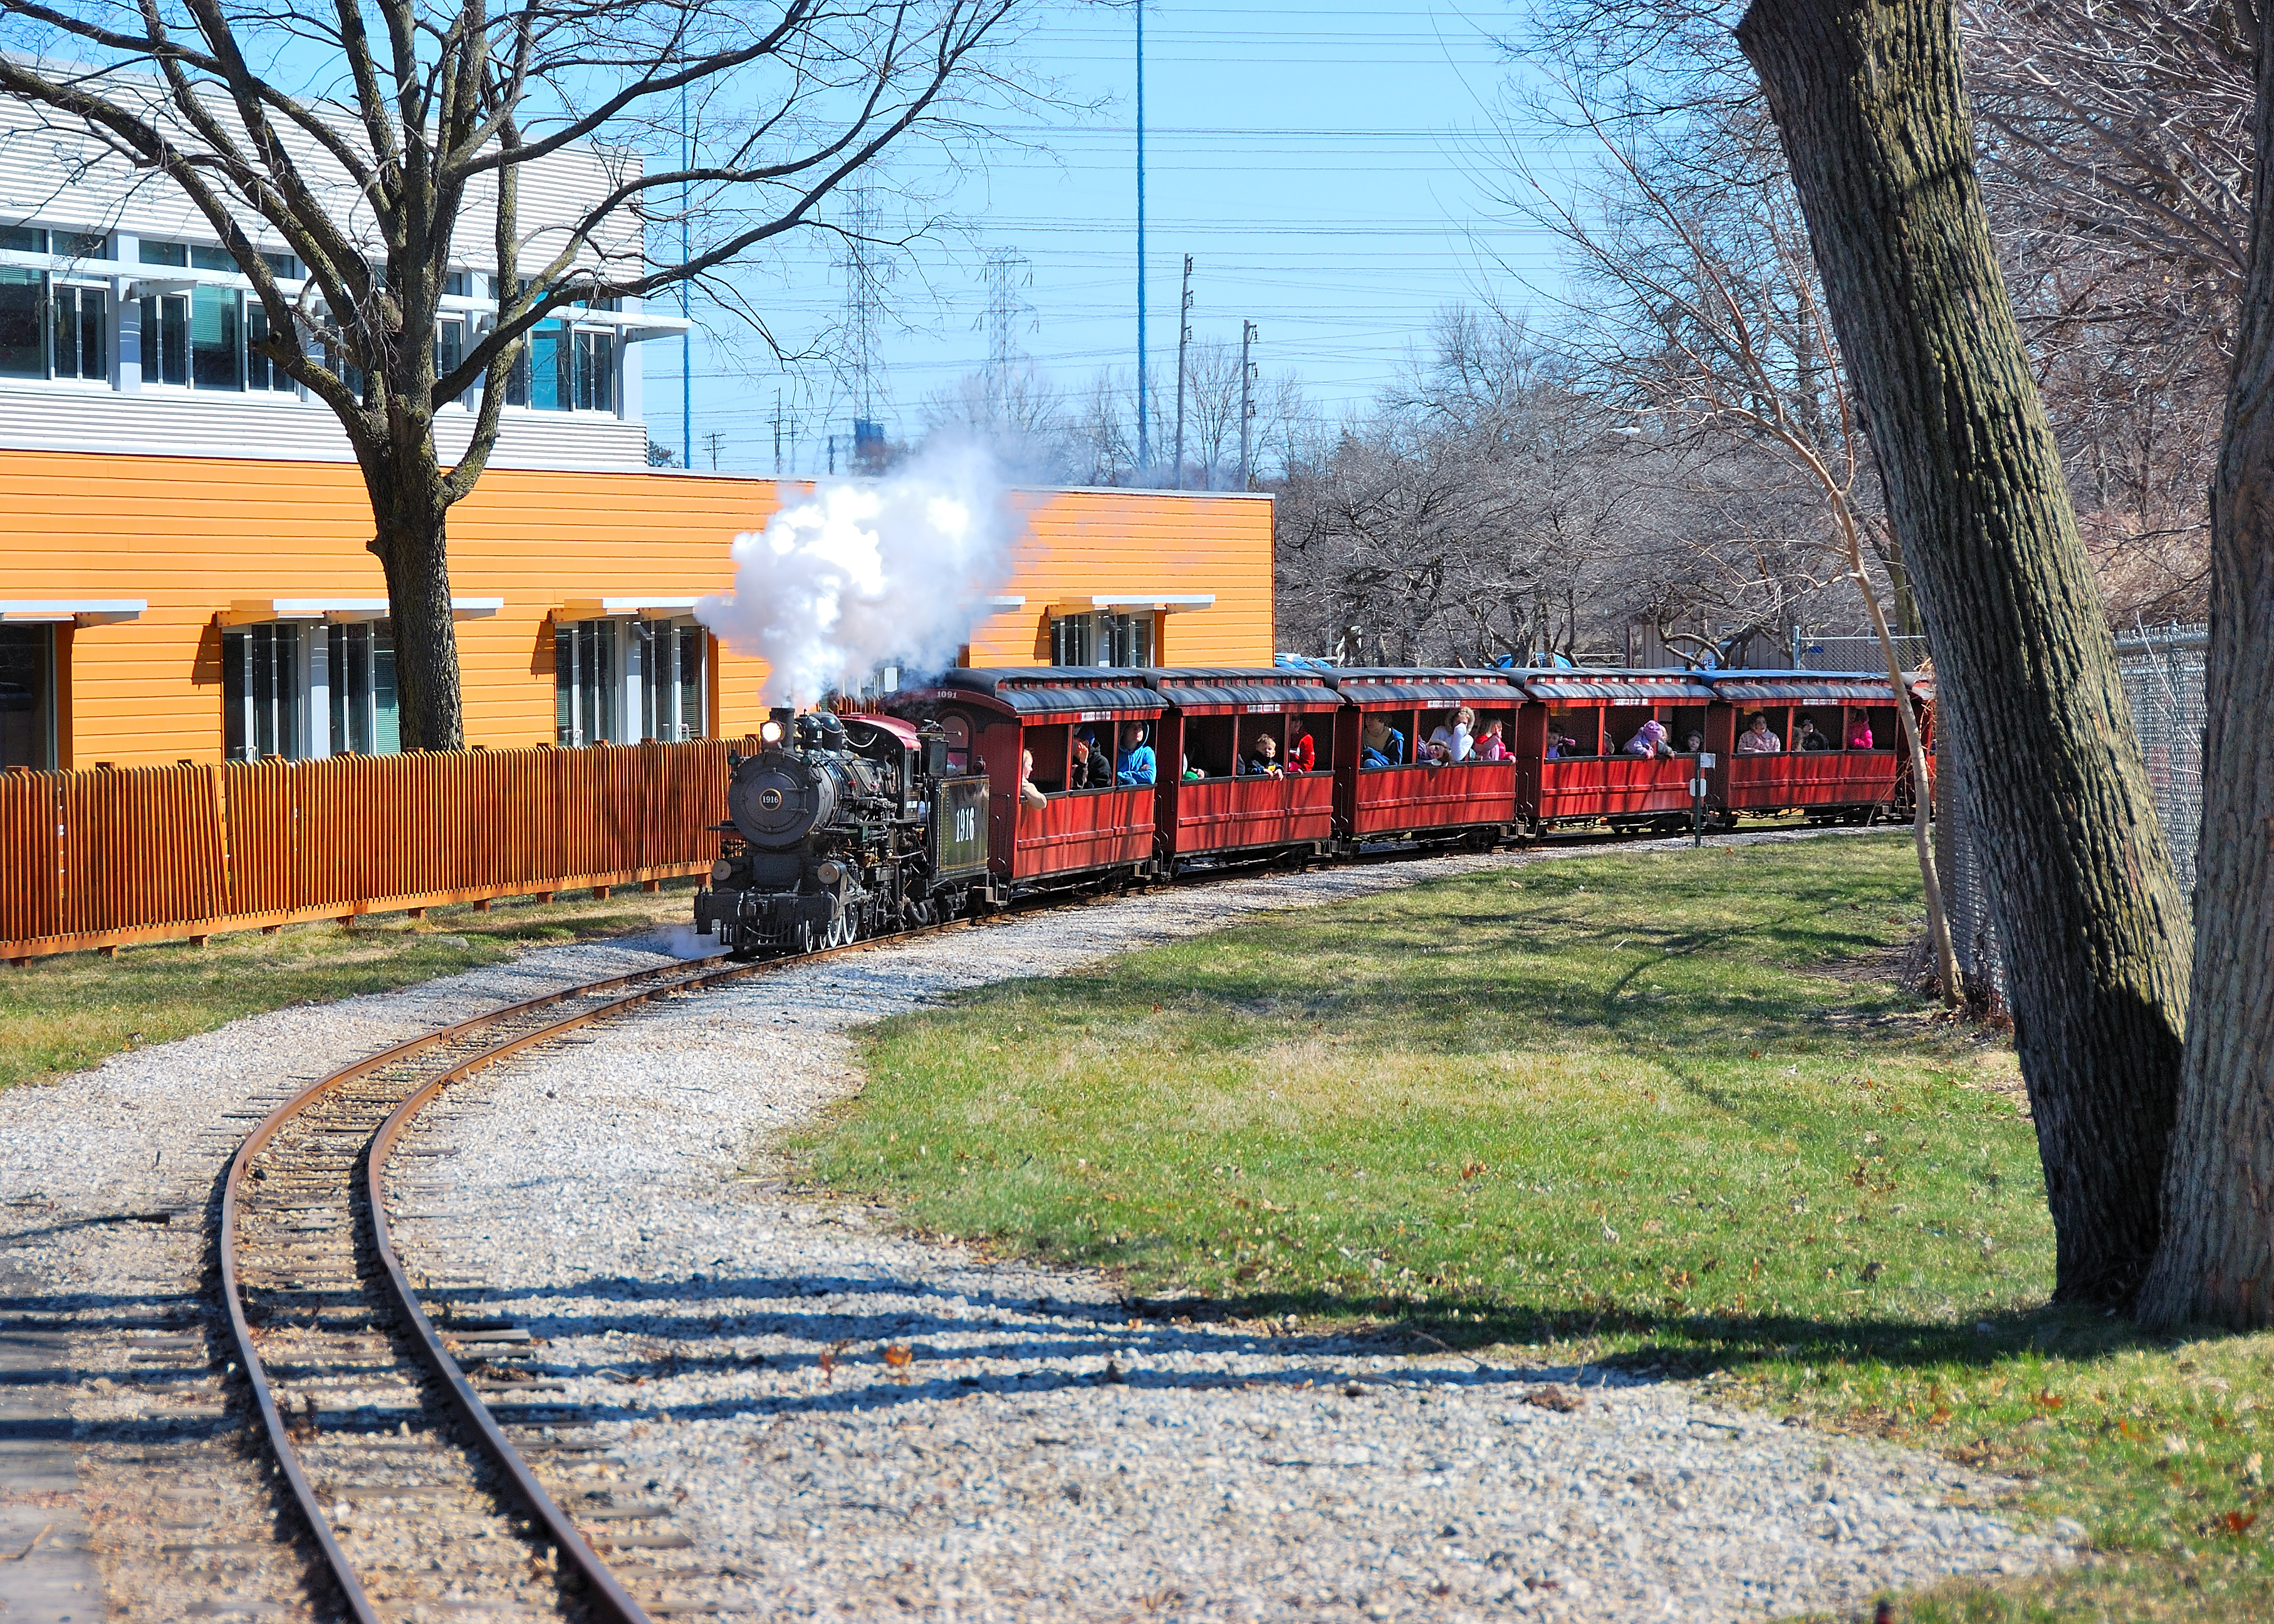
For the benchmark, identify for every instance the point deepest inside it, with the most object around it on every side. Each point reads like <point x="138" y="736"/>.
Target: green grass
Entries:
<point x="1666" y="1108"/>
<point x="76" y="1009"/>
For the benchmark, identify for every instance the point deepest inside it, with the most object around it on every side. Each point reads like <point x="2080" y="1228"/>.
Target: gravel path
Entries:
<point x="1042" y="1455"/>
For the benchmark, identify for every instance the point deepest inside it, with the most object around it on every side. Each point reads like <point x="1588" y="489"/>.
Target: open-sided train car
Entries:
<point x="1386" y="789"/>
<point x="1857" y="774"/>
<point x="1572" y="764"/>
<point x="992" y="718"/>
<point x="1216" y="797"/>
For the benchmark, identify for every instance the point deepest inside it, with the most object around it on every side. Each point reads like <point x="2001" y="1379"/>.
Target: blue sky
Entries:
<point x="1320" y="163"/>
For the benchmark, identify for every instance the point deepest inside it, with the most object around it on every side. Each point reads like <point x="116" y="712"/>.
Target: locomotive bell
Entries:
<point x="777" y="799"/>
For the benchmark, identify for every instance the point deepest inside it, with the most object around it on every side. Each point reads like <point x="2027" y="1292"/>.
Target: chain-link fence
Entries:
<point x="2164" y="681"/>
<point x="2162" y="675"/>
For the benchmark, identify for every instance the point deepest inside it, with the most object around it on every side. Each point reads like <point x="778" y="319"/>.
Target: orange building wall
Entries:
<point x="192" y="534"/>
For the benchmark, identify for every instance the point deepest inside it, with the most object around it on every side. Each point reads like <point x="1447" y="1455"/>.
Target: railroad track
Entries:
<point x="422" y="1502"/>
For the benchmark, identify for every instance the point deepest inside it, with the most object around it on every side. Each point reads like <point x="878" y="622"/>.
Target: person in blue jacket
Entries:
<point x="1134" y="764"/>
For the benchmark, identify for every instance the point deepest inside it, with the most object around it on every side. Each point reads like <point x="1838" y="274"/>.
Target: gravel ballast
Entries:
<point x="1039" y="1454"/>
<point x="1028" y="1450"/>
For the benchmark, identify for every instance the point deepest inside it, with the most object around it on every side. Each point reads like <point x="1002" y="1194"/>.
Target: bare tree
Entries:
<point x="362" y="137"/>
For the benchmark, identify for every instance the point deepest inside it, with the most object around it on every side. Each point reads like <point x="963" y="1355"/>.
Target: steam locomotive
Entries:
<point x="844" y="827"/>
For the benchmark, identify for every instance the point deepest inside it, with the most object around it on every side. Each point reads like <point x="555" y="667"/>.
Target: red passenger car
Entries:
<point x="1389" y="785"/>
<point x="1218" y="796"/>
<point x="1573" y="764"/>
<point x="1086" y="821"/>
<point x="1829" y="744"/>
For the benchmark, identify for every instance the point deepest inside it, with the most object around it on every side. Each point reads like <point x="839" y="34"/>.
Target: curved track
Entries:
<point x="420" y="1502"/>
<point x="412" y="1491"/>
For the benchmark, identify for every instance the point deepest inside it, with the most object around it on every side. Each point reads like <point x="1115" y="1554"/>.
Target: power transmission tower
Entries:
<point x="863" y="317"/>
<point x="1007" y="272"/>
<point x="1183" y="337"/>
<point x="1246" y="407"/>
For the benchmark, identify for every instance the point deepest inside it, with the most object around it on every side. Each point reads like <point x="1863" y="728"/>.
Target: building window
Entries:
<point x="81" y="331"/>
<point x="260" y="373"/>
<point x="359" y="682"/>
<point x="22" y="294"/>
<point x="586" y="701"/>
<point x="166" y="338"/>
<point x="152" y="253"/>
<point x="668" y="661"/>
<point x="264" y="693"/>
<point x="592" y="381"/>
<point x="27" y="697"/>
<point x="301" y="692"/>
<point x="1121" y="640"/>
<point x="621" y="681"/>
<point x="563" y="370"/>
<point x="217" y="328"/>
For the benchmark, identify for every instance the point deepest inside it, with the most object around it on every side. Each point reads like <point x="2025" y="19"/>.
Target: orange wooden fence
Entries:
<point x="103" y="858"/>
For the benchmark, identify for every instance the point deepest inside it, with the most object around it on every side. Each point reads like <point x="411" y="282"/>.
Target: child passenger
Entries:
<point x="1265" y="763"/>
<point x="1490" y="745"/>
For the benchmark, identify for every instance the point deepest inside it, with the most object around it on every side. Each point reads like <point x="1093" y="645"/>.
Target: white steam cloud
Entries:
<point x="866" y="574"/>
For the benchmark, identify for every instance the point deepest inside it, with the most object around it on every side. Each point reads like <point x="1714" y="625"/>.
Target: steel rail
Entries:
<point x="602" y="1585"/>
<point x="240" y="1167"/>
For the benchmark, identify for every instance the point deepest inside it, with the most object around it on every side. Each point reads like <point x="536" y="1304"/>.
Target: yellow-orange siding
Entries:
<point x="194" y="535"/>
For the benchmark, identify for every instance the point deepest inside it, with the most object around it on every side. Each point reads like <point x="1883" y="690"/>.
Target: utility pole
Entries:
<point x="1246" y="408"/>
<point x="686" y="253"/>
<point x="1183" y="338"/>
<point x="1144" y="401"/>
<point x="713" y="439"/>
<point x="778" y="428"/>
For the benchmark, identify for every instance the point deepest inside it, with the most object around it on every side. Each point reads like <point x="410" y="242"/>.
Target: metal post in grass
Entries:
<point x="1698" y="798"/>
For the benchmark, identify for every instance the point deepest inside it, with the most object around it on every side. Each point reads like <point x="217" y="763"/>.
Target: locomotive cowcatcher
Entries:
<point x="843" y="827"/>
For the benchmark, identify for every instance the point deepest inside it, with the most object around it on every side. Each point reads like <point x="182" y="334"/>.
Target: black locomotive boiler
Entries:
<point x="843" y="827"/>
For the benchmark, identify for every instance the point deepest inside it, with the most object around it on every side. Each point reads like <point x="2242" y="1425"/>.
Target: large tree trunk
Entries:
<point x="410" y="509"/>
<point x="2217" y="1262"/>
<point x="1868" y="97"/>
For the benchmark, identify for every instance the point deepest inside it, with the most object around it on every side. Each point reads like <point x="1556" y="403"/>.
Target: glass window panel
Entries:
<point x="567" y="731"/>
<point x="260" y="372"/>
<point x="216" y="315"/>
<point x="81" y="332"/>
<point x="386" y="718"/>
<point x="653" y="654"/>
<point x="547" y="363"/>
<point x="457" y="285"/>
<point x="79" y="245"/>
<point x="593" y="384"/>
<point x="165" y="254"/>
<point x="27" y="697"/>
<point x="22" y="294"/>
<point x="166" y="338"/>
<point x="693" y="690"/>
<point x="206" y="258"/>
<point x="284" y="266"/>
<point x="262" y="690"/>
<point x="23" y="239"/>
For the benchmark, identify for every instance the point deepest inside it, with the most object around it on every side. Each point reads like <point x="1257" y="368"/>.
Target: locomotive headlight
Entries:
<point x="722" y="872"/>
<point x="830" y="873"/>
<point x="770" y="733"/>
